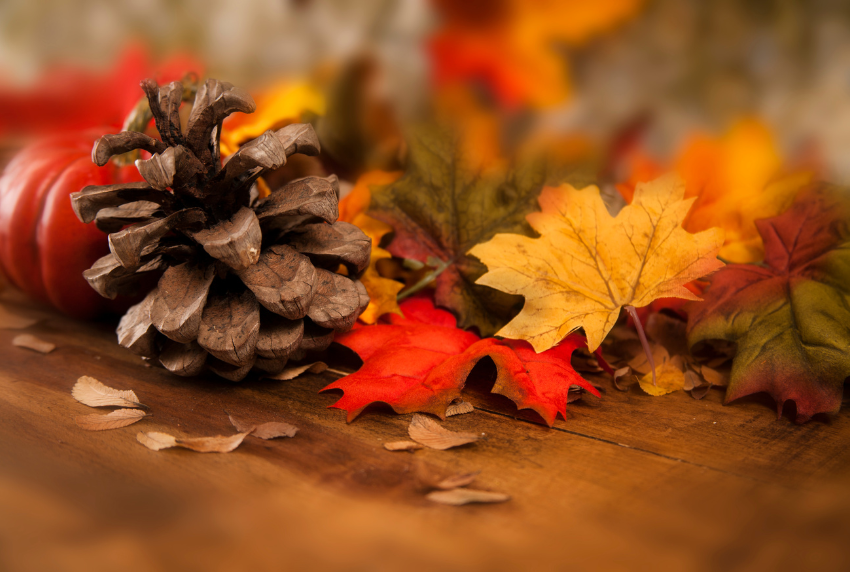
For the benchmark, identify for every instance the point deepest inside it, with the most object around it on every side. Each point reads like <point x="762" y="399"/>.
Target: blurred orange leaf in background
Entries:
<point x="277" y="106"/>
<point x="737" y="179"/>
<point x="512" y="46"/>
<point x="383" y="292"/>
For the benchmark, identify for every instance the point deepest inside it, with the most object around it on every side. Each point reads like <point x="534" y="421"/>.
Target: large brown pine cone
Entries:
<point x="245" y="283"/>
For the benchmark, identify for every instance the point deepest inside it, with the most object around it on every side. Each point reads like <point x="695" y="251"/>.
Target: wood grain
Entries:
<point x="628" y="482"/>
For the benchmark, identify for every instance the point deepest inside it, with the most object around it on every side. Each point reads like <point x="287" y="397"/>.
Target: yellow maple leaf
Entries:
<point x="587" y="264"/>
<point x="383" y="292"/>
<point x="668" y="379"/>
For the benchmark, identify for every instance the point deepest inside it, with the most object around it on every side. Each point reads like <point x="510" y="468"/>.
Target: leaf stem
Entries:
<point x="427" y="279"/>
<point x="633" y="313"/>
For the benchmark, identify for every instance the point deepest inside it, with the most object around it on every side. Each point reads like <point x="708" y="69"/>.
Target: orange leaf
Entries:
<point x="736" y="179"/>
<point x="383" y="292"/>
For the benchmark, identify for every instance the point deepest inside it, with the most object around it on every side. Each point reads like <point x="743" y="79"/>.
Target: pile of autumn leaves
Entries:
<point x="523" y="255"/>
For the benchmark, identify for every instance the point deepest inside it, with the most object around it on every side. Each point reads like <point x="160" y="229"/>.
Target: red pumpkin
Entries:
<point x="44" y="248"/>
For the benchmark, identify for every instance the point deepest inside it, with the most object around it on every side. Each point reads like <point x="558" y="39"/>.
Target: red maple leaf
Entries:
<point x="420" y="363"/>
<point x="789" y="317"/>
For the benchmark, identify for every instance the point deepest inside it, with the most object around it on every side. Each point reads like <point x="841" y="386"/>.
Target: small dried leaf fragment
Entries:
<point x="114" y="420"/>
<point x="93" y="393"/>
<point x="296" y="370"/>
<point x="457" y="481"/>
<point x="692" y="380"/>
<point x="431" y="434"/>
<point x="587" y="265"/>
<point x="155" y="440"/>
<point x="270" y="430"/>
<point x="33" y="343"/>
<point x="10" y="321"/>
<point x="274" y="429"/>
<point x="219" y="444"/>
<point x="714" y="377"/>
<point x="669" y="379"/>
<point x="622" y="372"/>
<point x="459" y="408"/>
<point x="403" y="446"/>
<point x="457" y="497"/>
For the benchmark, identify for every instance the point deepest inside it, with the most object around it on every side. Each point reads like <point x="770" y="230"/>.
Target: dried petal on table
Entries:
<point x="296" y="370"/>
<point x="114" y="420"/>
<point x="459" y="497"/>
<point x="700" y="391"/>
<point x="269" y="430"/>
<point x="31" y="342"/>
<point x="218" y="444"/>
<point x="431" y="434"/>
<point x="622" y="372"/>
<point x="93" y="393"/>
<point x="457" y="481"/>
<point x="402" y="446"/>
<point x="155" y="441"/>
<point x="459" y="408"/>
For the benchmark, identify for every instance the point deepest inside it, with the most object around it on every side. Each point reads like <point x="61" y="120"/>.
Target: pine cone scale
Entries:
<point x="283" y="280"/>
<point x="308" y="200"/>
<point x="329" y="245"/>
<point x="236" y="241"/>
<point x="230" y="327"/>
<point x="182" y="295"/>
<point x="92" y="199"/>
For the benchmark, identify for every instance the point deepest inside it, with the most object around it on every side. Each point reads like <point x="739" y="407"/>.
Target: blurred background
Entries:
<point x="740" y="96"/>
<point x="625" y="80"/>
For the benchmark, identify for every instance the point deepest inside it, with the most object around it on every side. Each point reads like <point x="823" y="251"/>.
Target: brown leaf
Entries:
<point x="270" y="430"/>
<point x="93" y="393"/>
<point x="692" y="380"/>
<point x="700" y="391"/>
<point x="33" y="343"/>
<point x="622" y="372"/>
<point x="402" y="446"/>
<point x="274" y="429"/>
<point x="431" y="434"/>
<point x="218" y="444"/>
<point x="459" y="408"/>
<point x="714" y="377"/>
<point x="114" y="420"/>
<point x="459" y="497"/>
<point x="296" y="370"/>
<point x="10" y="321"/>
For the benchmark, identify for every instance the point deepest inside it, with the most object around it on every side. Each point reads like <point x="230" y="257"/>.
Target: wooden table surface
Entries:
<point x="627" y="482"/>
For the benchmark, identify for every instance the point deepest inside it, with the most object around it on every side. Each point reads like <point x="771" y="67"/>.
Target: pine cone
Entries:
<point x="245" y="283"/>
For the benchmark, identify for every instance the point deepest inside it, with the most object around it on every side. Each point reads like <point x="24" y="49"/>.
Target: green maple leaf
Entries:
<point x="441" y="208"/>
<point x="791" y="317"/>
